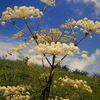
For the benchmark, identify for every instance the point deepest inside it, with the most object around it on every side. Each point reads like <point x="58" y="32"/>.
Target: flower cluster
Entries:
<point x="19" y="34"/>
<point x="19" y="47"/>
<point x="45" y="75"/>
<point x="21" y="12"/>
<point x="15" y="93"/>
<point x="16" y="49"/>
<point x="85" y="25"/>
<point x="30" y="62"/>
<point x="78" y="84"/>
<point x="58" y="98"/>
<point x="84" y="56"/>
<point x="69" y="23"/>
<point x="59" y="49"/>
<point x="89" y="25"/>
<point x="49" y="2"/>
<point x="53" y="35"/>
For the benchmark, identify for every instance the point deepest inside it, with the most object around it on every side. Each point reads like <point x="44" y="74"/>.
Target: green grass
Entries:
<point x="15" y="73"/>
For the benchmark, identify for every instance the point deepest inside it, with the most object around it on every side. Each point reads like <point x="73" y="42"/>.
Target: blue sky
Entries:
<point x="53" y="17"/>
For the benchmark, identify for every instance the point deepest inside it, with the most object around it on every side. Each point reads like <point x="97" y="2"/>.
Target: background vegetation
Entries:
<point x="14" y="73"/>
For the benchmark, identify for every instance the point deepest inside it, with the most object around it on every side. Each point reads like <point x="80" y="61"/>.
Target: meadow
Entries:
<point x="14" y="73"/>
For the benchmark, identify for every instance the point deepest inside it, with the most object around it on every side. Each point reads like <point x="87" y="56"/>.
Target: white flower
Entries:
<point x="16" y="49"/>
<point x="71" y="46"/>
<point x="85" y="56"/>
<point x="76" y="27"/>
<point x="39" y="57"/>
<point x="75" y="86"/>
<point x="59" y="60"/>
<point x="69" y="53"/>
<point x="6" y="92"/>
<point x="90" y="37"/>
<point x="49" y="2"/>
<point x="21" y="12"/>
<point x="84" y="52"/>
<point x="30" y="62"/>
<point x="3" y="23"/>
<point x="17" y="35"/>
<point x="85" y="19"/>
<point x="65" y="46"/>
<point x="31" y="51"/>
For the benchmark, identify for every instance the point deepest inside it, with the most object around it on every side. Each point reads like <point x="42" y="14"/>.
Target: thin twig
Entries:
<point x="82" y="38"/>
<point x="61" y="60"/>
<point x="37" y="76"/>
<point x="47" y="60"/>
<point x="30" y="30"/>
<point x="18" y="27"/>
<point x="40" y="18"/>
<point x="53" y="60"/>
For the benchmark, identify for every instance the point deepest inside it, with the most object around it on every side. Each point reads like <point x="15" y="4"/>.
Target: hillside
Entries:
<point x="14" y="73"/>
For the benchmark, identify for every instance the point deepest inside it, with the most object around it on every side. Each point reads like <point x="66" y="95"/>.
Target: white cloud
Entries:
<point x="91" y="65"/>
<point x="4" y="47"/>
<point x="5" y="44"/>
<point x="75" y="1"/>
<point x="96" y="4"/>
<point x="78" y="11"/>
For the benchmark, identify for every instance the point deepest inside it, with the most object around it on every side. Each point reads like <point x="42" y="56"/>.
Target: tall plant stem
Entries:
<point x="46" y="90"/>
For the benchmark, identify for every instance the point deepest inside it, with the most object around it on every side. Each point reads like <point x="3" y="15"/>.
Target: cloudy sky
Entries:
<point x="54" y="17"/>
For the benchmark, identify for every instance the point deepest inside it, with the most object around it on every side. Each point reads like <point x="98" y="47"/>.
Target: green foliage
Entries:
<point x="14" y="73"/>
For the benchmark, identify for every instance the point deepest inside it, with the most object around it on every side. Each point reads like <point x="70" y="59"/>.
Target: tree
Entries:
<point x="57" y="43"/>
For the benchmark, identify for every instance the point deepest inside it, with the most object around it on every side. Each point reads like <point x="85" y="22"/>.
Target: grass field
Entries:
<point x="14" y="73"/>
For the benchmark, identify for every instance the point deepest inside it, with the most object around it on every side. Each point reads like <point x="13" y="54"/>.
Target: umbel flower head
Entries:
<point x="85" y="25"/>
<point x="21" y="12"/>
<point x="89" y="25"/>
<point x="30" y="62"/>
<point x="16" y="93"/>
<point x="49" y="2"/>
<point x="52" y="35"/>
<point x="59" y="49"/>
<point x="78" y="84"/>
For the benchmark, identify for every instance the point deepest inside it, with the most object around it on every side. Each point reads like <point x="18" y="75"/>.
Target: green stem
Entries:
<point x="21" y="55"/>
<point x="37" y="76"/>
<point x="34" y="72"/>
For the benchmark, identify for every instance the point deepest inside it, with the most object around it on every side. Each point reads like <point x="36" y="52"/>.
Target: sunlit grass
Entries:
<point x="14" y="73"/>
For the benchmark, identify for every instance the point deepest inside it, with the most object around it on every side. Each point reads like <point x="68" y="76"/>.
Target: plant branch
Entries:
<point x="30" y="30"/>
<point x="53" y="60"/>
<point x="40" y="18"/>
<point x="18" y="27"/>
<point x="37" y="76"/>
<point x="46" y="90"/>
<point x="47" y="59"/>
<point x="61" y="60"/>
<point x="77" y="42"/>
